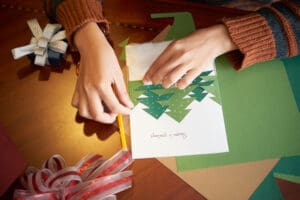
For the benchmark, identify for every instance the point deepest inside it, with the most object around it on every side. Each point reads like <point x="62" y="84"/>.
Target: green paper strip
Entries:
<point x="183" y="24"/>
<point x="287" y="177"/>
<point x="123" y="45"/>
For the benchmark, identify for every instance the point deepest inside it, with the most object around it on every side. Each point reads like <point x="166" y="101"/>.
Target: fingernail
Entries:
<point x="147" y="82"/>
<point x="166" y="86"/>
<point x="130" y="104"/>
<point x="128" y="111"/>
<point x="181" y="87"/>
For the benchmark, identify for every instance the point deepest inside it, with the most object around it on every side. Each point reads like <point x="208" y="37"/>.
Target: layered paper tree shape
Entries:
<point x="173" y="101"/>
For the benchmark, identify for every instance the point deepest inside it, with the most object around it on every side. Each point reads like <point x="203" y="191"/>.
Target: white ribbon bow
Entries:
<point x="92" y="178"/>
<point x="41" y="41"/>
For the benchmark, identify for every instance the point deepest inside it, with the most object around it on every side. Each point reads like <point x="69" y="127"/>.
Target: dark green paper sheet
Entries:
<point x="261" y="116"/>
<point x="292" y="67"/>
<point x="269" y="189"/>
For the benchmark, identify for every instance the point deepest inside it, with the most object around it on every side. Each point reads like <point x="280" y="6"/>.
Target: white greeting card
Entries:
<point x="173" y="122"/>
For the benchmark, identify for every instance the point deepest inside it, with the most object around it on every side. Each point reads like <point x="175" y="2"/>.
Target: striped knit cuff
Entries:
<point x="254" y="39"/>
<point x="293" y="5"/>
<point x="74" y="14"/>
<point x="288" y="13"/>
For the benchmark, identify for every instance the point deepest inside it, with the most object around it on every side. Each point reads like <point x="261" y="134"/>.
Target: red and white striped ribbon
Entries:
<point x="90" y="179"/>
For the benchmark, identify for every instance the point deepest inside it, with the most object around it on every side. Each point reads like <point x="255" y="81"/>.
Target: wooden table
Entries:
<point x="35" y="105"/>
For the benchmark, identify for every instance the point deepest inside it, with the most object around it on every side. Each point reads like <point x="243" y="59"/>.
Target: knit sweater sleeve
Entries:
<point x="73" y="14"/>
<point x="271" y="32"/>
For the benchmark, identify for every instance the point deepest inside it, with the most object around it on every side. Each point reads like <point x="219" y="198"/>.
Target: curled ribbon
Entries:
<point x="90" y="179"/>
<point x="42" y="40"/>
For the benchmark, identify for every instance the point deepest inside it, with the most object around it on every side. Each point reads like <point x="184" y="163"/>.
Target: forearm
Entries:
<point x="90" y="39"/>
<point x="271" y="32"/>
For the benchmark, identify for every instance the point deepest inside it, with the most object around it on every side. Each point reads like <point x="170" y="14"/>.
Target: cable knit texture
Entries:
<point x="291" y="40"/>
<point x="73" y="14"/>
<point x="271" y="32"/>
<point x="254" y="39"/>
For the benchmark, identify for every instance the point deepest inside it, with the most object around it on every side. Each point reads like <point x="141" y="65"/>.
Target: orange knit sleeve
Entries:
<point x="73" y="14"/>
<point x="271" y="32"/>
<point x="254" y="39"/>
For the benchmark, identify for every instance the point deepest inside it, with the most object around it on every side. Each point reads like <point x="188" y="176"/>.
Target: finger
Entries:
<point x="83" y="108"/>
<point x="122" y="93"/>
<point x="75" y="99"/>
<point x="96" y="110"/>
<point x="159" y="75"/>
<point x="110" y="99"/>
<point x="175" y="75"/>
<point x="162" y="58"/>
<point x="188" y="78"/>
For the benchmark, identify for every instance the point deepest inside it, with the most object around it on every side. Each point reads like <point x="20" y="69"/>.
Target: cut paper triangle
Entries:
<point x="288" y="177"/>
<point x="123" y="45"/>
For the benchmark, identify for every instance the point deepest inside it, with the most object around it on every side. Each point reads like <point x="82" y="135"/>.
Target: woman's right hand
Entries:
<point x="100" y="79"/>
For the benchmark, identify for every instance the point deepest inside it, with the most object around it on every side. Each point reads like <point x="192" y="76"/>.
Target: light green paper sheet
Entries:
<point x="287" y="177"/>
<point x="261" y="116"/>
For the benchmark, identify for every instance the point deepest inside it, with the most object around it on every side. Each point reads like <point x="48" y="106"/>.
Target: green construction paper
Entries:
<point x="123" y="45"/>
<point x="183" y="24"/>
<point x="198" y="93"/>
<point x="213" y="89"/>
<point x="209" y="83"/>
<point x="217" y="95"/>
<point x="150" y="87"/>
<point x="178" y="104"/>
<point x="208" y="78"/>
<point x="152" y="102"/>
<point x="134" y="92"/>
<point x="154" y="108"/>
<point x="152" y="95"/>
<point x="171" y="101"/>
<point x="260" y="114"/>
<point x="288" y="177"/>
<point x="269" y="188"/>
<point x="205" y="73"/>
<point x="292" y="67"/>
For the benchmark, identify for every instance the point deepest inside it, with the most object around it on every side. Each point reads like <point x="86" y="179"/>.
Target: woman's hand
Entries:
<point x="184" y="59"/>
<point x="100" y="80"/>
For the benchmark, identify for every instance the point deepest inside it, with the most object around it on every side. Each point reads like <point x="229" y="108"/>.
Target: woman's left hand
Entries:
<point x="184" y="59"/>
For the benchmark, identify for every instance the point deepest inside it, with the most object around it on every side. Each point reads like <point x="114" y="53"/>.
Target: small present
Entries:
<point x="47" y="46"/>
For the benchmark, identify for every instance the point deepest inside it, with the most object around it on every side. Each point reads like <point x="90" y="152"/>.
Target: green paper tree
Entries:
<point x="213" y="88"/>
<point x="152" y="99"/>
<point x="134" y="93"/>
<point x="123" y="45"/>
<point x="206" y="84"/>
<point x="172" y="101"/>
<point x="177" y="105"/>
<point x="183" y="24"/>
<point x="198" y="93"/>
